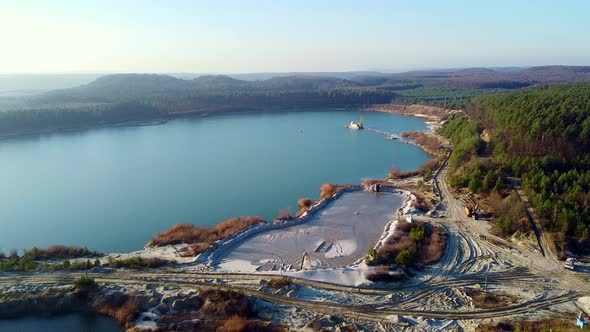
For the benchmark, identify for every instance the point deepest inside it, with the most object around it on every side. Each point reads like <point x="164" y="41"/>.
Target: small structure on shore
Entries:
<point x="375" y="187"/>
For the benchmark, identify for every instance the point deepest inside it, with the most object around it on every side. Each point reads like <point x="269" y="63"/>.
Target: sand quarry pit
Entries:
<point x="337" y="236"/>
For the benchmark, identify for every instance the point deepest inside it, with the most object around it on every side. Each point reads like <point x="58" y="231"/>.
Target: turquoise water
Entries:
<point x="82" y="322"/>
<point x="112" y="189"/>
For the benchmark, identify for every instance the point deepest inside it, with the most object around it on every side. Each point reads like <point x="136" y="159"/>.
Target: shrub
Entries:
<point x="123" y="308"/>
<point x="59" y="252"/>
<point x="235" y="324"/>
<point x="84" y="284"/>
<point x="284" y="214"/>
<point x="278" y="283"/>
<point x="404" y="258"/>
<point x="25" y="263"/>
<point x="395" y="173"/>
<point x="193" y="249"/>
<point x="429" y="143"/>
<point x="137" y="262"/>
<point x="224" y="303"/>
<point x="327" y="190"/>
<point x="305" y="203"/>
<point x="417" y="233"/>
<point x="187" y="233"/>
<point x="488" y="300"/>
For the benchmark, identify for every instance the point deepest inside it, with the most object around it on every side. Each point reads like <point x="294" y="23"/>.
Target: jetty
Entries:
<point x="390" y="136"/>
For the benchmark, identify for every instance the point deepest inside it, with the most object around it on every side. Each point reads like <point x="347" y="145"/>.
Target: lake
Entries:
<point x="112" y="189"/>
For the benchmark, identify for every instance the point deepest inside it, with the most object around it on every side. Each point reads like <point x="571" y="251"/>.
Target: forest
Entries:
<point x="540" y="135"/>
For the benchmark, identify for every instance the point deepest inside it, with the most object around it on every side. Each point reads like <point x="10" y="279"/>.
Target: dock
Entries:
<point x="390" y="135"/>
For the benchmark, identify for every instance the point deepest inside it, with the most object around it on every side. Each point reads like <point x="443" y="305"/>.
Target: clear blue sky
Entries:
<point x="255" y="36"/>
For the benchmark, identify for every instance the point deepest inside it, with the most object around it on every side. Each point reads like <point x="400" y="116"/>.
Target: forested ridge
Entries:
<point x="121" y="98"/>
<point x="540" y="135"/>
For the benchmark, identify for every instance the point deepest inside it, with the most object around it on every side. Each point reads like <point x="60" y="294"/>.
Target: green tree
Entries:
<point x="417" y="233"/>
<point x="404" y="258"/>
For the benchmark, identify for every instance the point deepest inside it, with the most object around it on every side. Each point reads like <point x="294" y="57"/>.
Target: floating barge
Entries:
<point x="355" y="125"/>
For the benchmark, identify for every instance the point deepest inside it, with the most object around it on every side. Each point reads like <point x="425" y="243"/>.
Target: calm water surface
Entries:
<point x="112" y="189"/>
<point x="78" y="322"/>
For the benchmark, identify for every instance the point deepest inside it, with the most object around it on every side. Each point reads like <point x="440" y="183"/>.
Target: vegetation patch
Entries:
<point x="60" y="252"/>
<point x="220" y="311"/>
<point x="278" y="283"/>
<point x="426" y="170"/>
<point x="488" y="300"/>
<point x="411" y="245"/>
<point x="124" y="308"/>
<point x="84" y="285"/>
<point x="190" y="234"/>
<point x="136" y="262"/>
<point x="560" y="325"/>
<point x="326" y="190"/>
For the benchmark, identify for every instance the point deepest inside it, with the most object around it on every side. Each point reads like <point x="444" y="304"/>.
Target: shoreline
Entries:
<point x="171" y="251"/>
<point x="155" y="121"/>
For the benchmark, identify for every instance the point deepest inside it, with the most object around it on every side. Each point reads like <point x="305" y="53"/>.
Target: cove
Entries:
<point x="112" y="189"/>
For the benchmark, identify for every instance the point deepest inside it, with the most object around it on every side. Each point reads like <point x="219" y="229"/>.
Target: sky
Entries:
<point x="245" y="36"/>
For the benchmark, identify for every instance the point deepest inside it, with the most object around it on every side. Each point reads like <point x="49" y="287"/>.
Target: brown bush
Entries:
<point x="124" y="309"/>
<point x="305" y="203"/>
<point x="487" y="300"/>
<point x="235" y="324"/>
<point x="429" y="143"/>
<point x="221" y="303"/>
<point x="187" y="233"/>
<point x="433" y="247"/>
<point x="193" y="249"/>
<point x="278" y="283"/>
<point x="284" y="214"/>
<point x="421" y="203"/>
<point x="395" y="173"/>
<point x="327" y="190"/>
<point x="431" y="164"/>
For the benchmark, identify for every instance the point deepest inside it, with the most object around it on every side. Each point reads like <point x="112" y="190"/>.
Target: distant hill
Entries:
<point x="132" y="97"/>
<point x="344" y="75"/>
<point x="301" y="82"/>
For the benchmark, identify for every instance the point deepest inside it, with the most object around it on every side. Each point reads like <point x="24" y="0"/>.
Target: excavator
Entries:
<point x="471" y="208"/>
